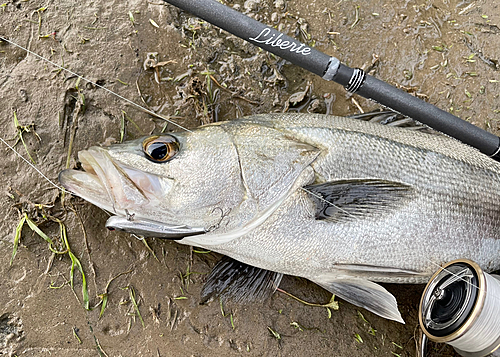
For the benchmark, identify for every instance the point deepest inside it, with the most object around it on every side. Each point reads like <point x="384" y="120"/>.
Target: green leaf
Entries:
<point x="152" y="22"/>
<point x="358" y="338"/>
<point x="17" y="237"/>
<point x="232" y="321"/>
<point x="75" y="263"/>
<point x="85" y="293"/>
<point x="104" y="298"/>
<point x="136" y="307"/>
<point x="37" y="230"/>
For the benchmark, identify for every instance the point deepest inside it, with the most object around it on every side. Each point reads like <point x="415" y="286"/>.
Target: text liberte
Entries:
<point x="276" y="41"/>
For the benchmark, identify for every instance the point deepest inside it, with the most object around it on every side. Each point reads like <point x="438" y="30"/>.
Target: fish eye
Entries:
<point x="160" y="148"/>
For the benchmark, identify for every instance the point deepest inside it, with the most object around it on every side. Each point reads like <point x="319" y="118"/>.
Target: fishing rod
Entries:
<point x="354" y="80"/>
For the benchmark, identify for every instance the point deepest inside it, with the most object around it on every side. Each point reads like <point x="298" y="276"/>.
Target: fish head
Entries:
<point x="215" y="178"/>
<point x="181" y="191"/>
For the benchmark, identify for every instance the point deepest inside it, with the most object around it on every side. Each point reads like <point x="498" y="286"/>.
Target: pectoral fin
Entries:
<point x="350" y="199"/>
<point x="239" y="282"/>
<point x="363" y="293"/>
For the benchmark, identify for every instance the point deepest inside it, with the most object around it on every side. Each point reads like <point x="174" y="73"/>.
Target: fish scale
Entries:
<point x="402" y="202"/>
<point x="442" y="181"/>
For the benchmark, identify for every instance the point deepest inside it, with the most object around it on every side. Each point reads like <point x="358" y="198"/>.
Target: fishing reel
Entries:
<point x="460" y="306"/>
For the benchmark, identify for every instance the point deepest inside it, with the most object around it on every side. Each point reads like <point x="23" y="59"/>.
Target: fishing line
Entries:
<point x="467" y="317"/>
<point x="34" y="167"/>
<point x="463" y="317"/>
<point x="95" y="84"/>
<point x="496" y="295"/>
<point x="479" y="335"/>
<point x="326" y="201"/>
<point x="88" y="81"/>
<point x="452" y="273"/>
<point x="487" y="325"/>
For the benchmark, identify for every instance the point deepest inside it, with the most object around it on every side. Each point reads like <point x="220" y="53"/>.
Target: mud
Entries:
<point x="447" y="52"/>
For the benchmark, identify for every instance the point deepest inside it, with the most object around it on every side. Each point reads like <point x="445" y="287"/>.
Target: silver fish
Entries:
<point x="342" y="202"/>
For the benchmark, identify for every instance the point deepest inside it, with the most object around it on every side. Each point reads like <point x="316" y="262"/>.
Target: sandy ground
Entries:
<point x="447" y="51"/>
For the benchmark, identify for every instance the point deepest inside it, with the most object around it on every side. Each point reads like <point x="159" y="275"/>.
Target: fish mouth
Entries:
<point x="132" y="195"/>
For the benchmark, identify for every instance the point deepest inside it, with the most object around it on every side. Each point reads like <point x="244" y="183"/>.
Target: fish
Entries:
<point x="344" y="203"/>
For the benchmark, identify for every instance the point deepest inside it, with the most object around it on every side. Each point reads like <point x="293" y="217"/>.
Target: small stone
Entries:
<point x="317" y="106"/>
<point x="23" y="94"/>
<point x="279" y="4"/>
<point x="251" y="5"/>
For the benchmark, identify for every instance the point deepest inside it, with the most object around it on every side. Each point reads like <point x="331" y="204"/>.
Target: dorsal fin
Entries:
<point x="239" y="282"/>
<point x="350" y="199"/>
<point x="391" y="118"/>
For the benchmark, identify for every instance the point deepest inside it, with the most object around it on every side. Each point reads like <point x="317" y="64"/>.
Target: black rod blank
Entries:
<point x="330" y="68"/>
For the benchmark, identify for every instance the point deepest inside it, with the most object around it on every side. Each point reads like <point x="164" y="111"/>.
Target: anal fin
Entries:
<point x="239" y="282"/>
<point x="363" y="293"/>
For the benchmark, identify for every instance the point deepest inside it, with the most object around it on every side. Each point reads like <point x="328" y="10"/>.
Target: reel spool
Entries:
<point x="460" y="306"/>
